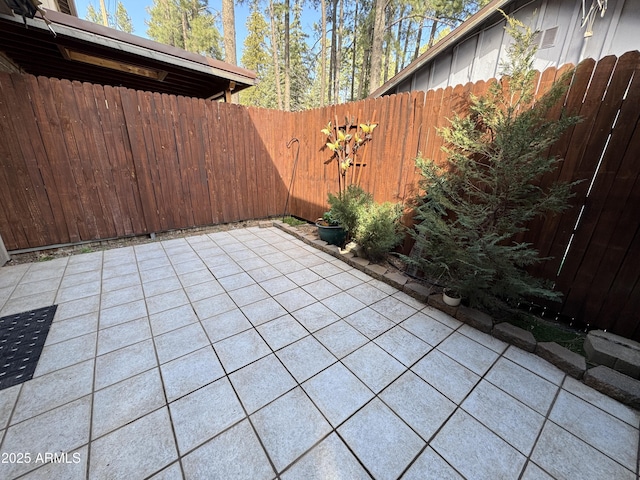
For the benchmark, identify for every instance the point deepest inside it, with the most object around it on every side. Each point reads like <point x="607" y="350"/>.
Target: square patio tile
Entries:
<point x="212" y="306"/>
<point x="512" y="420"/>
<point x="369" y="322"/>
<point x="246" y="295"/>
<point x="121" y="296"/>
<point x="611" y="436"/>
<point x="310" y="260"/>
<point x="207" y="289"/>
<point x="431" y="466"/>
<point x="160" y="286"/>
<point x="240" y="350"/>
<point x="152" y="263"/>
<point x="536" y="364"/>
<point x="442" y="317"/>
<point x="600" y="400"/>
<point x="190" y="372"/>
<point x="76" y="308"/>
<point x="340" y="338"/>
<point x="262" y="275"/>
<point x="136" y="450"/>
<point x="26" y="289"/>
<point x="382" y="442"/>
<point x="563" y="455"/>
<point x="252" y="263"/>
<point x="527" y="387"/>
<point x="283" y="439"/>
<point x="31" y="302"/>
<point x="190" y="266"/>
<point x="151" y="276"/>
<point x="179" y="342"/>
<point x="326" y="269"/>
<point x="475" y="451"/>
<point x="404" y="346"/>
<point x="482" y="338"/>
<point x="418" y="404"/>
<point x="367" y="293"/>
<point x="337" y="393"/>
<point x="263" y="311"/>
<point x="394" y="309"/>
<point x="126" y="401"/>
<point x="124" y="363"/>
<point x="225" y="325"/>
<point x="468" y="353"/>
<point x="261" y="382"/>
<point x="205" y="413"/>
<point x="321" y="289"/>
<point x="281" y="332"/>
<point x="329" y="459"/>
<point x="78" y="291"/>
<point x="62" y="429"/>
<point x="225" y="269"/>
<point x="278" y="284"/>
<point x="426" y="328"/>
<point x="288" y="266"/>
<point x="375" y="367"/>
<point x="172" y="319"/>
<point x="61" y="355"/>
<point x="122" y="313"/>
<point x="166" y="301"/>
<point x="294" y="299"/>
<point x="198" y="277"/>
<point x="343" y="304"/>
<point x="447" y="376"/>
<point x="53" y="390"/>
<point x="303" y="277"/>
<point x="235" y="281"/>
<point x="236" y="453"/>
<point x="344" y="280"/>
<point x="305" y="358"/>
<point x="315" y="316"/>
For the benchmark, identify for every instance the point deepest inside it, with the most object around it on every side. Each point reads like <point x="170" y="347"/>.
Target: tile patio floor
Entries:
<point x="248" y="354"/>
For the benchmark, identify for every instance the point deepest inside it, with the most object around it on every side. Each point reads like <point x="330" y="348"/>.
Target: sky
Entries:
<point x="137" y="10"/>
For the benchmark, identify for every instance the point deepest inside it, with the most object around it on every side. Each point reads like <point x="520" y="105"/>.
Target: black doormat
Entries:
<point x="22" y="338"/>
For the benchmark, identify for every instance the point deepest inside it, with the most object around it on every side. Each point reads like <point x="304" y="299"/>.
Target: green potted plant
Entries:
<point x="330" y="230"/>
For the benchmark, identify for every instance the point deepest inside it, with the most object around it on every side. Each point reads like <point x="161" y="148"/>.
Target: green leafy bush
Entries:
<point x="346" y="207"/>
<point x="379" y="229"/>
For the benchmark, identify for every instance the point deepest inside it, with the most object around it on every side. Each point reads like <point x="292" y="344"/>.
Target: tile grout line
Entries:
<point x="95" y="367"/>
<point x="546" y="419"/>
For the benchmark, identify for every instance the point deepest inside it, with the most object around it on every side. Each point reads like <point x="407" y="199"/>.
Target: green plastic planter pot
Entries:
<point x="333" y="235"/>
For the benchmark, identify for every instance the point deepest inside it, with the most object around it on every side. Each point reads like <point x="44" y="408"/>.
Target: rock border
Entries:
<point x="615" y="385"/>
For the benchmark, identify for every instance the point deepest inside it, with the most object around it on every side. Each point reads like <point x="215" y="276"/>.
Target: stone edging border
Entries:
<point x="604" y="379"/>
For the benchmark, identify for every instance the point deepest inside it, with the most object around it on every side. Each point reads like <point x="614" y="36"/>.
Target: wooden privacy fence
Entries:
<point x="82" y="162"/>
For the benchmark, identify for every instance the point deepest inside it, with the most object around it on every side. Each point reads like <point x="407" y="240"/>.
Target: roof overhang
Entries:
<point x="87" y="52"/>
<point x="468" y="27"/>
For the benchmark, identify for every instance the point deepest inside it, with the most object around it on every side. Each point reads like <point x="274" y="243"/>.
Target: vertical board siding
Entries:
<point x="84" y="162"/>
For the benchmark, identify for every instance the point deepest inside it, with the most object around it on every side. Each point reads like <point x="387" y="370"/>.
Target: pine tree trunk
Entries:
<point x="418" y="39"/>
<point x="353" y="54"/>
<point x="274" y="51"/>
<point x="184" y="31"/>
<point x="287" y="59"/>
<point x="332" y="60"/>
<point x="229" y="31"/>
<point x="323" y="54"/>
<point x="336" y="78"/>
<point x="376" y="47"/>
